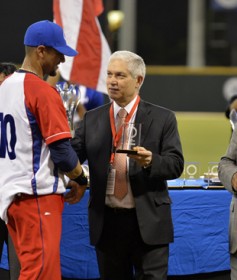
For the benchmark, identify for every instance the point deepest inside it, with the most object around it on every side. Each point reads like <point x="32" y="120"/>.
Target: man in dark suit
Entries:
<point x="131" y="232"/>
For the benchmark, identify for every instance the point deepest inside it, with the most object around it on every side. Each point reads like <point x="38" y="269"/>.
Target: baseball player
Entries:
<point x="35" y="155"/>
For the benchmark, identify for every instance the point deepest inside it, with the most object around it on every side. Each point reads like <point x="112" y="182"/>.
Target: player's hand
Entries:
<point x="76" y="192"/>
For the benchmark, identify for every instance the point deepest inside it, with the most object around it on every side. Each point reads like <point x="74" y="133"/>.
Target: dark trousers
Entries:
<point x="122" y="254"/>
<point x="14" y="265"/>
<point x="3" y="235"/>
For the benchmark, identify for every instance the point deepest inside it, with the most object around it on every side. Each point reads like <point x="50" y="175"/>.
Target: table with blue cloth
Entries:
<point x="200" y="216"/>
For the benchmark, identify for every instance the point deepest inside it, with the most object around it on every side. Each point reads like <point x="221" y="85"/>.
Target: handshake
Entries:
<point x="77" y="187"/>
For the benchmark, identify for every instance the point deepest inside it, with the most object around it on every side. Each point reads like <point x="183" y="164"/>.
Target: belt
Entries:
<point x="118" y="210"/>
<point x="24" y="196"/>
<point x="21" y="196"/>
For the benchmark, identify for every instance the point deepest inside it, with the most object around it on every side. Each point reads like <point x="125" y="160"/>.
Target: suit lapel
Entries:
<point x="143" y="117"/>
<point x="105" y="128"/>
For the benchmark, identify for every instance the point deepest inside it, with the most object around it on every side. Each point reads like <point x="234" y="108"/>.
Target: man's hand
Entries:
<point x="234" y="182"/>
<point x="143" y="156"/>
<point x="76" y="192"/>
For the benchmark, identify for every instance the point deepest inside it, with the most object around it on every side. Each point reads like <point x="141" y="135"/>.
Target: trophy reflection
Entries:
<point x="130" y="138"/>
<point x="70" y="100"/>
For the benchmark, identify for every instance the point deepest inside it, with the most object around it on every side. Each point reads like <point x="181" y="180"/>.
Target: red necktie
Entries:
<point x="120" y="162"/>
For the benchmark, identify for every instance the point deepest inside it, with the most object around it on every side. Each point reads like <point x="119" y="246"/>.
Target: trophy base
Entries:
<point x="131" y="152"/>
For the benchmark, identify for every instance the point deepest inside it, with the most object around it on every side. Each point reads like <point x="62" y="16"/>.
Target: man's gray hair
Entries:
<point x="136" y="65"/>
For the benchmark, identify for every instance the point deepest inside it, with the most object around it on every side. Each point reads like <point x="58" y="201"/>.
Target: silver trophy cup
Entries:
<point x="70" y="100"/>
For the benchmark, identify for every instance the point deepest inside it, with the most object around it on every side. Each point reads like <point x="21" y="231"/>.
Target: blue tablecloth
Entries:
<point x="78" y="257"/>
<point x="200" y="218"/>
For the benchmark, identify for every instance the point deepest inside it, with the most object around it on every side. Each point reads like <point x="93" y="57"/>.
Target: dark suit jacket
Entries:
<point x="93" y="141"/>
<point x="226" y="170"/>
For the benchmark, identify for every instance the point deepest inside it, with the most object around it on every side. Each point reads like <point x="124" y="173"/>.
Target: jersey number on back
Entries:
<point x="7" y="136"/>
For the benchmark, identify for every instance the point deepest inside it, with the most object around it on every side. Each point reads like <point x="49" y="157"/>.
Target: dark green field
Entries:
<point x="204" y="136"/>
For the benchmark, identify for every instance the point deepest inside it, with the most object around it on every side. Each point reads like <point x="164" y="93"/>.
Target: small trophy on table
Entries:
<point x="131" y="137"/>
<point x="191" y="175"/>
<point x="211" y="177"/>
<point x="70" y="100"/>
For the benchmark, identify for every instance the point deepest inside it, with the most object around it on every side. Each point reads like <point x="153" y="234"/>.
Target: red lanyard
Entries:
<point x="117" y="135"/>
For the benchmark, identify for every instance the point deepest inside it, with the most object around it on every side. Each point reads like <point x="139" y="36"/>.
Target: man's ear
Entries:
<point x="139" y="81"/>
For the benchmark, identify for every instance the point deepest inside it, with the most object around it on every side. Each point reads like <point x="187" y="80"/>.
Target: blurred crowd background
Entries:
<point x="163" y="32"/>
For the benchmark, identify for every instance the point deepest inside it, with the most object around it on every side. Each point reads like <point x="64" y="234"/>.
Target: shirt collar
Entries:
<point x="128" y="108"/>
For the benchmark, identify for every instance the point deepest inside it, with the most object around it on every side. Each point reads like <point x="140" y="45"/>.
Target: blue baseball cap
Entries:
<point x="48" y="34"/>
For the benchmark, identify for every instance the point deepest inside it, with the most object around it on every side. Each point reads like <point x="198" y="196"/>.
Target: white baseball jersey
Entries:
<point x="31" y="117"/>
